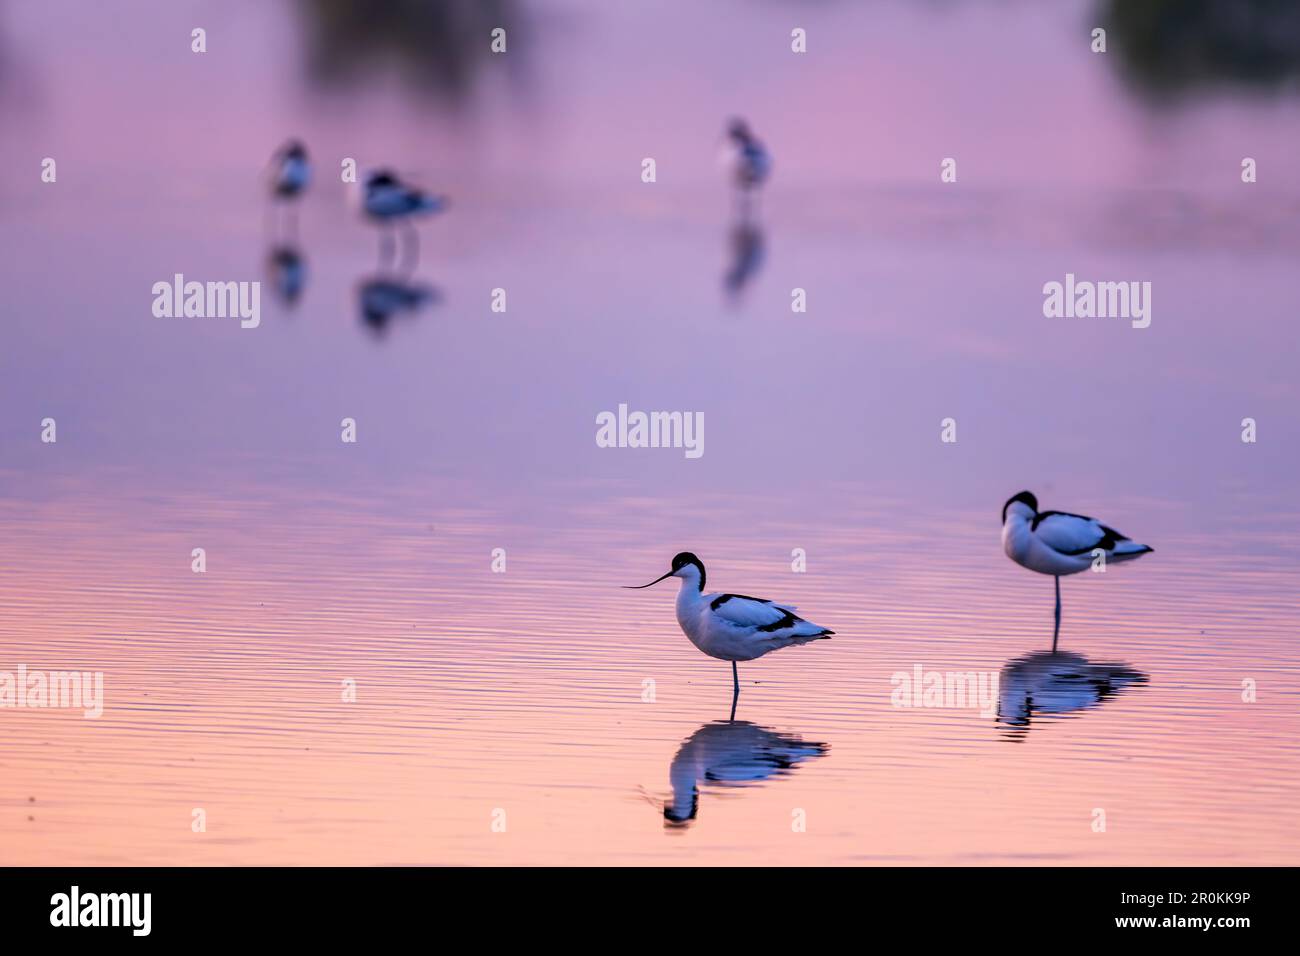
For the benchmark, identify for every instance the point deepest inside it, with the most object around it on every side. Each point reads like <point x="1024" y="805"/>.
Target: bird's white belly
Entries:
<point x="719" y="639"/>
<point x="294" y="174"/>
<point x="1022" y="547"/>
<point x="388" y="202"/>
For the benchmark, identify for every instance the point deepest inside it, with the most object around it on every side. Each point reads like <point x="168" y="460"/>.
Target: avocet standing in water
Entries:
<point x="733" y="627"/>
<point x="389" y="201"/>
<point x="288" y="174"/>
<point x="1059" y="543"/>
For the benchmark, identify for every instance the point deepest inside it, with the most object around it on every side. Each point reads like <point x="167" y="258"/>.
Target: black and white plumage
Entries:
<point x="388" y="199"/>
<point x="734" y="627"/>
<point x="751" y="163"/>
<point x="1057" y="542"/>
<point x="1060" y="543"/>
<point x="291" y="171"/>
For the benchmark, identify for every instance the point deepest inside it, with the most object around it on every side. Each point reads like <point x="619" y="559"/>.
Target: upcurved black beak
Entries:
<point x="637" y="587"/>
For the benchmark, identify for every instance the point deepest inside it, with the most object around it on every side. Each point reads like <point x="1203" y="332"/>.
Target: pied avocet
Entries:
<point x="388" y="199"/>
<point x="733" y="627"/>
<point x="291" y="171"/>
<point x="751" y="161"/>
<point x="1059" y="543"/>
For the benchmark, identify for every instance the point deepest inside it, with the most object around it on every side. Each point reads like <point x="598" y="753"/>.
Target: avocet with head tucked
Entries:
<point x="387" y="199"/>
<point x="291" y="170"/>
<point x="1059" y="543"/>
<point x="750" y="160"/>
<point x="733" y="627"/>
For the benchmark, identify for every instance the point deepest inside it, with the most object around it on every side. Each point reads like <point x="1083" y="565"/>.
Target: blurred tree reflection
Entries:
<point x="1167" y="48"/>
<point x="435" y="45"/>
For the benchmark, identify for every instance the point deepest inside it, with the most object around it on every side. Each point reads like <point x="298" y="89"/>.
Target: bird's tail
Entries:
<point x="806" y="631"/>
<point x="427" y="203"/>
<point x="1128" y="550"/>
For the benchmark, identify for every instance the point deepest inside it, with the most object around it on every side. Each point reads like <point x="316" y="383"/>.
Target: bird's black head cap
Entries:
<point x="738" y="129"/>
<point x="684" y="558"/>
<point x="1025" y="497"/>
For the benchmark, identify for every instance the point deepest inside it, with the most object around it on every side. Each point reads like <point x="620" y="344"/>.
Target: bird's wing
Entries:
<point x="1074" y="534"/>
<point x="744" y="611"/>
<point x="759" y="157"/>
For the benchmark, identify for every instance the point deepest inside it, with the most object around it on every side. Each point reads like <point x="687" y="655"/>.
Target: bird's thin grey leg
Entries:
<point x="744" y="205"/>
<point x="735" y="689"/>
<point x="1057" y="631"/>
<point x="411" y="251"/>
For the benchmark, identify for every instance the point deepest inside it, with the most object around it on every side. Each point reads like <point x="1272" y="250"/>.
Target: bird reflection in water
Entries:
<point x="289" y="174"/>
<point x="383" y="298"/>
<point x="1052" y="685"/>
<point x="749" y="164"/>
<point x="287" y="273"/>
<point x="730" y="753"/>
<point x="746" y="259"/>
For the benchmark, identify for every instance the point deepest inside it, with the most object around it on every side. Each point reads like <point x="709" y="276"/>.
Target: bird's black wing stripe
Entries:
<point x="786" y="620"/>
<point x="1038" y="518"/>
<point x="722" y="599"/>
<point x="1109" y="539"/>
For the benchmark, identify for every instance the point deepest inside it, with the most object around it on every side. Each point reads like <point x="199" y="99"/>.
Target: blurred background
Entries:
<point x="1120" y="165"/>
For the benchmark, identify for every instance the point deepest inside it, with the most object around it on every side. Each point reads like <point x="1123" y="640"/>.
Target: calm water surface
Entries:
<point x="525" y="692"/>
<point x="527" y="696"/>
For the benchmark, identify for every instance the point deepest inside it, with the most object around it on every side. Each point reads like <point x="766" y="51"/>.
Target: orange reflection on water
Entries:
<point x="521" y="698"/>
